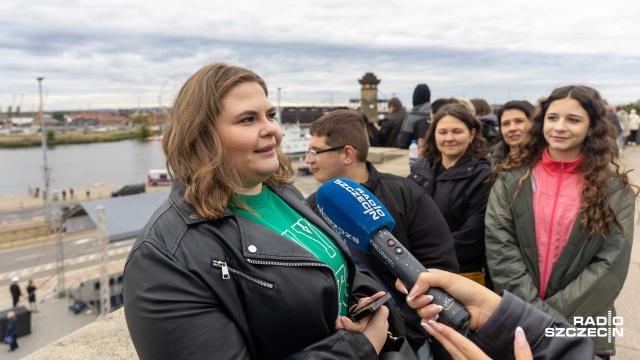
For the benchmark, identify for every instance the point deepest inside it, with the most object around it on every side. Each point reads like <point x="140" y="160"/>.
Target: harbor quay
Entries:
<point x="108" y="337"/>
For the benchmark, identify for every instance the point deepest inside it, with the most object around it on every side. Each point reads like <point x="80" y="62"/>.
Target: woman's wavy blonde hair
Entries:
<point x="600" y="157"/>
<point x="192" y="146"/>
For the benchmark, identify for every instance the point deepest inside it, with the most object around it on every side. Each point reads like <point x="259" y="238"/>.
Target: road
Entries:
<point x="39" y="261"/>
<point x="23" y="215"/>
<point x="29" y="214"/>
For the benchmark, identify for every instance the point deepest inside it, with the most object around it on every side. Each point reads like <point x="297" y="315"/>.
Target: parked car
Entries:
<point x="158" y="177"/>
<point x="130" y="189"/>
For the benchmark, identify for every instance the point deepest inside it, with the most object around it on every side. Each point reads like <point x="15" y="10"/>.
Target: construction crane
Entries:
<point x="19" y="105"/>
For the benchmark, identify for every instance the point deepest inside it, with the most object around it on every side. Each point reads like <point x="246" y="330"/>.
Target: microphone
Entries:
<point x="361" y="219"/>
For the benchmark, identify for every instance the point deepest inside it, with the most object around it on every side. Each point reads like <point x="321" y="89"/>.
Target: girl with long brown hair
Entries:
<point x="559" y="222"/>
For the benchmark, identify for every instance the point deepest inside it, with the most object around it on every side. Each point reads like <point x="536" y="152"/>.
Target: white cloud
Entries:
<point x="112" y="54"/>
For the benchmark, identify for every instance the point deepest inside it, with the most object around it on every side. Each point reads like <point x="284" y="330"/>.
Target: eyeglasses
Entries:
<point x="312" y="153"/>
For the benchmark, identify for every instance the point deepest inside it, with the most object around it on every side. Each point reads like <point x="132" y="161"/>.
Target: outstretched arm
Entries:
<point x="495" y="320"/>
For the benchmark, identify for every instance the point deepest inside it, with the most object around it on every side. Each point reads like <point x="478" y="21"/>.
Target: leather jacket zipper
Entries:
<point x="312" y="264"/>
<point x="226" y="270"/>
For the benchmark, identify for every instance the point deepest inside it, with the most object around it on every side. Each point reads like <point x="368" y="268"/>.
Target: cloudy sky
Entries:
<point x="120" y="53"/>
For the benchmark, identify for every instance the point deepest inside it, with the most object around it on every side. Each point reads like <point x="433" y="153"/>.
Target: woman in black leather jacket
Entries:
<point x="234" y="264"/>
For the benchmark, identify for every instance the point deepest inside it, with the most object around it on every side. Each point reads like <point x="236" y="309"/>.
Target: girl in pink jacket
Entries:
<point x="559" y="220"/>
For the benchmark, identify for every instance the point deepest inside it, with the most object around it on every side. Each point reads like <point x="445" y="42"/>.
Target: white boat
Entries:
<point x="295" y="140"/>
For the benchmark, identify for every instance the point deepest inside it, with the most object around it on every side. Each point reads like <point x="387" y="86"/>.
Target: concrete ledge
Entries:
<point x="379" y="155"/>
<point x="107" y="338"/>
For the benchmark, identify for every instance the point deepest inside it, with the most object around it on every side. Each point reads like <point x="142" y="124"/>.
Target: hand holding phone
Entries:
<point x="369" y="308"/>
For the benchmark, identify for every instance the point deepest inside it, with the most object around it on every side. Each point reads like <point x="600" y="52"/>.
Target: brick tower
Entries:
<point x="369" y="95"/>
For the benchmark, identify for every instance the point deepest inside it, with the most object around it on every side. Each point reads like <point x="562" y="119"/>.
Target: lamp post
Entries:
<point x="279" y="110"/>
<point x="47" y="201"/>
<point x="45" y="167"/>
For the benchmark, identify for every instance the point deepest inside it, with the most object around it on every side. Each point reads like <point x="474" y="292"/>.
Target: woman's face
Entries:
<point x="566" y="125"/>
<point x="250" y="134"/>
<point x="452" y="139"/>
<point x="514" y="125"/>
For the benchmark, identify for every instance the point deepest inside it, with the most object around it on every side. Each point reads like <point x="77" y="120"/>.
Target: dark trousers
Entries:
<point x="15" y="301"/>
<point x="14" y="344"/>
<point x="633" y="136"/>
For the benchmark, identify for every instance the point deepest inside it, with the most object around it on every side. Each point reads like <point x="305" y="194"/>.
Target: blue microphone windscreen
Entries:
<point x="352" y="211"/>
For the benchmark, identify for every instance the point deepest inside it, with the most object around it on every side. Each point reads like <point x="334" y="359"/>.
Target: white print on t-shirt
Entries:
<point x="303" y="228"/>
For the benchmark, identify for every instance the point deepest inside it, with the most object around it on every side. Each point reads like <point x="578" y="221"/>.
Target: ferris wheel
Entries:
<point x="169" y="89"/>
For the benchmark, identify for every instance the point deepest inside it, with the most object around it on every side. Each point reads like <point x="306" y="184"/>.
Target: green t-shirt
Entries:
<point x="273" y="213"/>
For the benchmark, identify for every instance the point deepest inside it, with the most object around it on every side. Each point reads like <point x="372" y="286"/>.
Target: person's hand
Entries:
<point x="479" y="301"/>
<point x="458" y="346"/>
<point x="374" y="327"/>
<point x="521" y="347"/>
<point x="462" y="348"/>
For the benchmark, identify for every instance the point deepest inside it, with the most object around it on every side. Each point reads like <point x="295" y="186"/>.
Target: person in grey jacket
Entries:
<point x="416" y="122"/>
<point x="559" y="222"/>
<point x="234" y="264"/>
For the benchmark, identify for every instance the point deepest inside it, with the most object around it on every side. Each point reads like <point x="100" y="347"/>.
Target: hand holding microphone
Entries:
<point x="479" y="301"/>
<point x="361" y="219"/>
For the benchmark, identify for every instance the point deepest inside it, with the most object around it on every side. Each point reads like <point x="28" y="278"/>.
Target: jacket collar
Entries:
<point x="265" y="244"/>
<point x="186" y="210"/>
<point x="554" y="167"/>
<point x="500" y="150"/>
<point x="374" y="177"/>
<point x="425" y="107"/>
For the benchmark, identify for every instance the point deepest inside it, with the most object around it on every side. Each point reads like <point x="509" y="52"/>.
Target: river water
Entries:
<point x="81" y="165"/>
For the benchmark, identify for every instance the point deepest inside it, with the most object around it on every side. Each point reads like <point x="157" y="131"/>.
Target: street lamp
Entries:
<point x="47" y="199"/>
<point x="45" y="167"/>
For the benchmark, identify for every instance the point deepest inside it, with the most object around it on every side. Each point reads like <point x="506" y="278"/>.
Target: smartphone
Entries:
<point x="369" y="308"/>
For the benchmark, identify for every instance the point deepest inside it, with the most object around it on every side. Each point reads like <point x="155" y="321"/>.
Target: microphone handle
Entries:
<point x="407" y="268"/>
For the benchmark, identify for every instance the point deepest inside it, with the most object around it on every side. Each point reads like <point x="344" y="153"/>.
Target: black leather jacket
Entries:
<point x="229" y="288"/>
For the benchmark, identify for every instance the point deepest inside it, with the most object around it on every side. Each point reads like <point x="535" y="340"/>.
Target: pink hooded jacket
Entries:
<point x="557" y="196"/>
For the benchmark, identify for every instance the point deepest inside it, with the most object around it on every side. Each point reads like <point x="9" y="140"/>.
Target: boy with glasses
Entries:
<point x="338" y="148"/>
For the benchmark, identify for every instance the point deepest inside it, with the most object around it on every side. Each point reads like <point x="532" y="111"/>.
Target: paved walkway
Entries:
<point x="97" y="191"/>
<point x="53" y="320"/>
<point x="628" y="346"/>
<point x="26" y="201"/>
